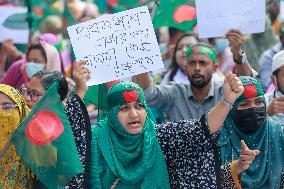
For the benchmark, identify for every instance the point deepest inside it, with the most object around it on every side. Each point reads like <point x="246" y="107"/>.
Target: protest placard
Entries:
<point x="215" y="18"/>
<point x="281" y="9"/>
<point x="13" y="24"/>
<point x="117" y="46"/>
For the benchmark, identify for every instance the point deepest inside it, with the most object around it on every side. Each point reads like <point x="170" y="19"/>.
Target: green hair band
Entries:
<point x="201" y="49"/>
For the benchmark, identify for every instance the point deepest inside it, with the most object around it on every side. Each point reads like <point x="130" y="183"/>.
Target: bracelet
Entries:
<point x="234" y="175"/>
<point x="227" y="103"/>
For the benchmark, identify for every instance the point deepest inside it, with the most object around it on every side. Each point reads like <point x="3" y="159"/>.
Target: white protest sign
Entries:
<point x="215" y="18"/>
<point x="117" y="46"/>
<point x="13" y="25"/>
<point x="281" y="9"/>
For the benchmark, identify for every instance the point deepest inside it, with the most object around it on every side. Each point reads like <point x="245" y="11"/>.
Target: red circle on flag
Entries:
<point x="195" y="49"/>
<point x="44" y="127"/>
<point x="130" y="95"/>
<point x="112" y="2"/>
<point x="250" y="91"/>
<point x="38" y="10"/>
<point x="184" y="13"/>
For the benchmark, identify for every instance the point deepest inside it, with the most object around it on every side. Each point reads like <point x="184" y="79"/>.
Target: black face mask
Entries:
<point x="250" y="120"/>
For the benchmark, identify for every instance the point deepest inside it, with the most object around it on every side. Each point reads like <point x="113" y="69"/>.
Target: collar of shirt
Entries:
<point x="277" y="93"/>
<point x="277" y="47"/>
<point x="210" y="93"/>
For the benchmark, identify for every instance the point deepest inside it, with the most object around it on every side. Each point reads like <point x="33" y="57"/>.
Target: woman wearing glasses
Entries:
<point x="13" y="110"/>
<point x="74" y="108"/>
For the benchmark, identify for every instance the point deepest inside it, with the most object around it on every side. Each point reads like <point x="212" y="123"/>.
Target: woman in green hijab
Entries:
<point x="248" y="121"/>
<point x="129" y="149"/>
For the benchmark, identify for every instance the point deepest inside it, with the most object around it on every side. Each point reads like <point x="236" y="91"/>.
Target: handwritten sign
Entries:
<point x="13" y="24"/>
<point x="215" y="18"/>
<point x="282" y="10"/>
<point x="117" y="46"/>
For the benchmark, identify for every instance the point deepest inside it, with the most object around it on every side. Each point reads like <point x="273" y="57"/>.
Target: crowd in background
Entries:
<point x="199" y="76"/>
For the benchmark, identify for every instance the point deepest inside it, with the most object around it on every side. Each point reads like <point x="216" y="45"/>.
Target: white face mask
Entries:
<point x="32" y="68"/>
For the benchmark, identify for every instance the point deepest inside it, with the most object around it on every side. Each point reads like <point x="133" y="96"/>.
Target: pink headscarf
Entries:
<point x="15" y="76"/>
<point x="52" y="56"/>
<point x="49" y="38"/>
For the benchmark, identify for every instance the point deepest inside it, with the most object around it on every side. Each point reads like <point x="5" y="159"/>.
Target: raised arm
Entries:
<point x="233" y="88"/>
<point x="81" y="74"/>
<point x="236" y="39"/>
<point x="143" y="80"/>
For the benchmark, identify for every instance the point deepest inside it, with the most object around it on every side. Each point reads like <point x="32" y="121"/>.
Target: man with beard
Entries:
<point x="190" y="101"/>
<point x="275" y="99"/>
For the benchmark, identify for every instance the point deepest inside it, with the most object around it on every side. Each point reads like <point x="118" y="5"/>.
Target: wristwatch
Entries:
<point x="242" y="59"/>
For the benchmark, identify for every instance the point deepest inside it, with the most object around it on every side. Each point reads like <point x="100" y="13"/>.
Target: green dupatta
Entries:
<point x="136" y="160"/>
<point x="265" y="170"/>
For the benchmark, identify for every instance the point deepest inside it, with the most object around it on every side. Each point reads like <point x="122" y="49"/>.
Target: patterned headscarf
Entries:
<point x="16" y="96"/>
<point x="202" y="49"/>
<point x="135" y="159"/>
<point x="14" y="174"/>
<point x="265" y="170"/>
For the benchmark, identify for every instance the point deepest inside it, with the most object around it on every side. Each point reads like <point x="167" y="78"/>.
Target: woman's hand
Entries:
<point x="236" y="39"/>
<point x="81" y="74"/>
<point x="233" y="88"/>
<point x="246" y="158"/>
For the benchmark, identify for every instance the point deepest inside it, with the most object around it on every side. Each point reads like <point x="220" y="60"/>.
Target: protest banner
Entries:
<point x="281" y="9"/>
<point x="215" y="18"/>
<point x="117" y="46"/>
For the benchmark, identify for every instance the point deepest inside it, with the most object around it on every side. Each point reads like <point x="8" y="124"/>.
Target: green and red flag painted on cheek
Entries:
<point x="179" y="14"/>
<point x="46" y="144"/>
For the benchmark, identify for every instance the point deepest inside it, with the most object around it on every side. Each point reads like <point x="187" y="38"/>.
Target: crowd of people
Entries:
<point x="212" y="118"/>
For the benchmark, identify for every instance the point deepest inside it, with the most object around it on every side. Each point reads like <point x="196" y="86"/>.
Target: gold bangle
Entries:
<point x="234" y="174"/>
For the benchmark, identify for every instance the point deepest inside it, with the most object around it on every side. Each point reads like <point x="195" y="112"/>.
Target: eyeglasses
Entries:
<point x="34" y="96"/>
<point x="8" y="106"/>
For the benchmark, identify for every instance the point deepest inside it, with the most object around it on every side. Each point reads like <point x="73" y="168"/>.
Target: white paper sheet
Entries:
<point x="215" y="18"/>
<point x="117" y="46"/>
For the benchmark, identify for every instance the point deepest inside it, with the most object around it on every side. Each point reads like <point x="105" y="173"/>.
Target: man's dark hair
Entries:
<point x="276" y="72"/>
<point x="173" y="31"/>
<point x="48" y="77"/>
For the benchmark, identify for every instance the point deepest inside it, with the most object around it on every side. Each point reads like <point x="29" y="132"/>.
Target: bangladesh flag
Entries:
<point x="126" y="4"/>
<point x="45" y="142"/>
<point x="97" y="95"/>
<point x="42" y="8"/>
<point x="179" y="14"/>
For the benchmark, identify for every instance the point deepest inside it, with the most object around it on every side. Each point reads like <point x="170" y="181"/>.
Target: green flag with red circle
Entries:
<point x="46" y="143"/>
<point x="179" y="14"/>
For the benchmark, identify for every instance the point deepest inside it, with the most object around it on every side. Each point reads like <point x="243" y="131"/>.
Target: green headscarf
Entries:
<point x="136" y="160"/>
<point x="265" y="170"/>
<point x="201" y="49"/>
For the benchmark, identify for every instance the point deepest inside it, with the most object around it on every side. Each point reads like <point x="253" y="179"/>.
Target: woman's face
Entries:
<point x="36" y="56"/>
<point x="132" y="116"/>
<point x="8" y="108"/>
<point x="35" y="91"/>
<point x="251" y="103"/>
<point x="5" y="100"/>
<point x="182" y="47"/>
